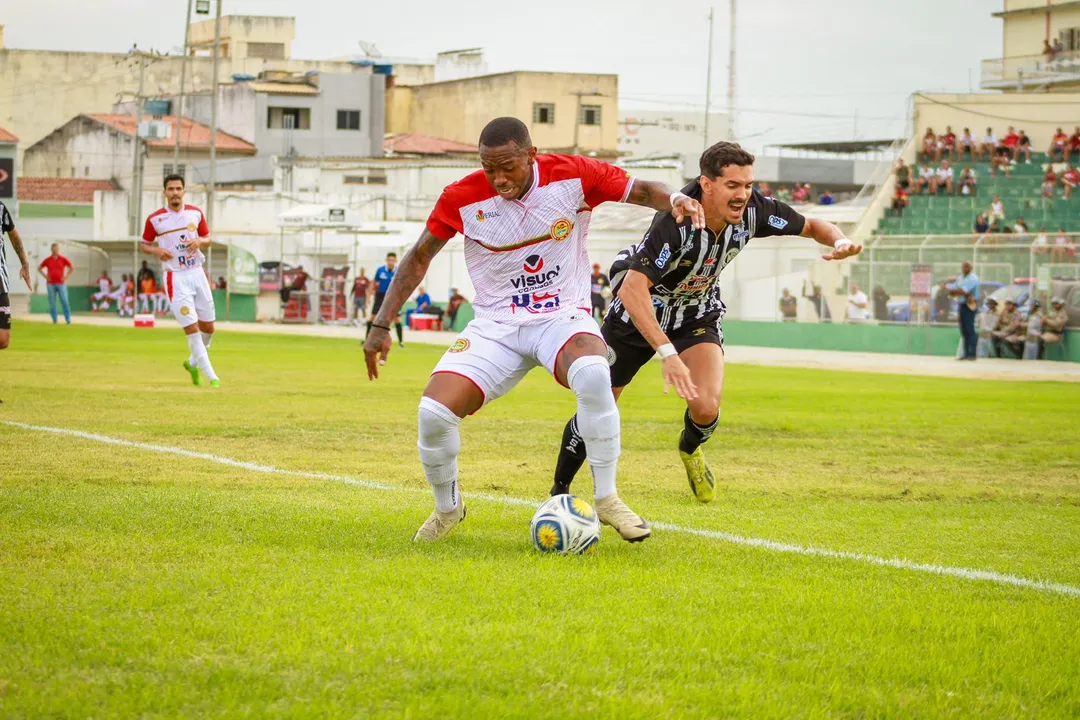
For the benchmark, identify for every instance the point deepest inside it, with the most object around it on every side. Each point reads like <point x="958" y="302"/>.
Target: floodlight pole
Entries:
<point x="708" y="81"/>
<point x="211" y="194"/>
<point x="731" y="78"/>
<point x="135" y="204"/>
<point x="180" y="98"/>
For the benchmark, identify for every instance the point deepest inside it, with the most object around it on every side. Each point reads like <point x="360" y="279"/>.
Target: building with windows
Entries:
<point x="566" y="112"/>
<point x="1024" y="65"/>
<point x="676" y="134"/>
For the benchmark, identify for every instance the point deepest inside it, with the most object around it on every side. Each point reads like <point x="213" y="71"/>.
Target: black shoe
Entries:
<point x="559" y="489"/>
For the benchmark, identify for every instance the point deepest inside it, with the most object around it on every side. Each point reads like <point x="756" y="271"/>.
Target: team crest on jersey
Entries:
<point x="611" y="356"/>
<point x="192" y="227"/>
<point x="185" y="310"/>
<point x="460" y="345"/>
<point x="730" y="255"/>
<point x="777" y="222"/>
<point x="560" y="229"/>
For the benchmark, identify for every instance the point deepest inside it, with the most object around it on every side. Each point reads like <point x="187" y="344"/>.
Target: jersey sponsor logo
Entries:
<point x="534" y="264"/>
<point x="693" y="286"/>
<point x="688" y="244"/>
<point x="534" y="276"/>
<point x="535" y="303"/>
<point x="460" y="345"/>
<point x="698" y="332"/>
<point x="663" y="257"/>
<point x="481" y="216"/>
<point x="710" y="261"/>
<point x="741" y="234"/>
<point x="777" y="222"/>
<point x="560" y="229"/>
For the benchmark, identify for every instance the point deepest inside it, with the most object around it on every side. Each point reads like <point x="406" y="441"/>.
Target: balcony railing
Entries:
<point x="1030" y="71"/>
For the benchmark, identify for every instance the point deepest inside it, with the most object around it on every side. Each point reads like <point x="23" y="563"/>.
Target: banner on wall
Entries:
<point x="243" y="272"/>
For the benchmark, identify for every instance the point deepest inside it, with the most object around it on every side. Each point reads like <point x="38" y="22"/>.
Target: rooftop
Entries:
<point x="193" y="135"/>
<point x="7" y="137"/>
<point x="417" y="144"/>
<point x="63" y="190"/>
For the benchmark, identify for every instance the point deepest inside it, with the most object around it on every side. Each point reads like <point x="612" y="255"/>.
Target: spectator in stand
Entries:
<point x="1033" y="338"/>
<point x="56" y="269"/>
<point x="966" y="142"/>
<point x="1074" y="142"/>
<point x="1002" y="156"/>
<point x="826" y="198"/>
<point x="789" y="306"/>
<point x="800" y="194"/>
<point x="765" y="189"/>
<point x="1024" y="146"/>
<point x="943" y="178"/>
<point x="941" y="303"/>
<point x="930" y="151"/>
<point x="1054" y="323"/>
<point x="818" y="302"/>
<point x="1059" y="145"/>
<point x="988" y="144"/>
<point x="221" y="284"/>
<point x="1049" y="184"/>
<point x="145" y="272"/>
<point x="1020" y="228"/>
<point x="926" y="178"/>
<point x="784" y="195"/>
<point x="881" y="304"/>
<point x="1069" y="180"/>
<point x="1041" y="244"/>
<point x="1011" y="141"/>
<point x="1010" y="328"/>
<point x="903" y="174"/>
<point x="997" y="209"/>
<point x="947" y="144"/>
<point x="452" y="307"/>
<point x="857" y="304"/>
<point x="985" y="325"/>
<point x="147" y="291"/>
<point x="361" y="284"/>
<point x="1059" y="47"/>
<point x="1048" y="52"/>
<point x="900" y="201"/>
<point x="1062" y="248"/>
<point x="968" y="180"/>
<point x="981" y="226"/>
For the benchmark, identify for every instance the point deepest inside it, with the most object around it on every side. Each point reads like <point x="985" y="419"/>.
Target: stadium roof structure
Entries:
<point x="846" y="147"/>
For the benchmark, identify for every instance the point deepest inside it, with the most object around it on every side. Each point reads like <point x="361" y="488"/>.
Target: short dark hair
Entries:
<point x="724" y="153"/>
<point x="392" y="255"/>
<point x="171" y="177"/>
<point x="503" y="130"/>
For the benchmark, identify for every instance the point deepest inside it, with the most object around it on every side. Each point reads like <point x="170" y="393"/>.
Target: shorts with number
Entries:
<point x="628" y="350"/>
<point x="190" y="296"/>
<point x="5" y="311"/>
<point x="495" y="356"/>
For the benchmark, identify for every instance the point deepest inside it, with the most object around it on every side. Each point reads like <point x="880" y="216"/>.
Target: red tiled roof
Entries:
<point x="417" y="144"/>
<point x="70" y="190"/>
<point x="192" y="134"/>
<point x="5" y="136"/>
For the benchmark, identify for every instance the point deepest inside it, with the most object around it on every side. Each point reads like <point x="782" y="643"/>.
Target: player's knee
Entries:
<point x="437" y="432"/>
<point x="5" y="340"/>
<point x="590" y="379"/>
<point x="704" y="407"/>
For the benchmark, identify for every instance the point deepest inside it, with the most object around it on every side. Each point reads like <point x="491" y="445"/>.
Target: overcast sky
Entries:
<point x="806" y="68"/>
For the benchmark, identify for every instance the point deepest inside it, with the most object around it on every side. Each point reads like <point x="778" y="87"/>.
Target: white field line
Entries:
<point x="898" y="563"/>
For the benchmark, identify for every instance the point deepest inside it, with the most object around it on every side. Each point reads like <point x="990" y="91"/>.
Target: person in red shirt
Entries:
<point x="360" y="292"/>
<point x="1059" y="146"/>
<point x="1069" y="180"/>
<point x="1011" y="142"/>
<point x="56" y="269"/>
<point x="947" y="143"/>
<point x="1074" y="141"/>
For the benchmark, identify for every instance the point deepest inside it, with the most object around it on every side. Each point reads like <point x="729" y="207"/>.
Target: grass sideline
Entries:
<point x="138" y="583"/>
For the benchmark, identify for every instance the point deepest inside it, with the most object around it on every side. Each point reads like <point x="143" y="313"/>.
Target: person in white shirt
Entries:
<point x="988" y="145"/>
<point x="1041" y="244"/>
<point x="857" y="305"/>
<point x="997" y="209"/>
<point x="943" y="177"/>
<point x="927" y="178"/>
<point x="987" y="322"/>
<point x="966" y="142"/>
<point x="100" y="299"/>
<point x="968" y="180"/>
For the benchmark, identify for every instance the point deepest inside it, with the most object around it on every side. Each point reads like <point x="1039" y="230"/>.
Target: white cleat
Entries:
<point x="613" y="512"/>
<point x="439" y="524"/>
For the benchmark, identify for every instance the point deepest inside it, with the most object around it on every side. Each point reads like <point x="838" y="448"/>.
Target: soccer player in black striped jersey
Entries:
<point x="7" y="227"/>
<point x="668" y="301"/>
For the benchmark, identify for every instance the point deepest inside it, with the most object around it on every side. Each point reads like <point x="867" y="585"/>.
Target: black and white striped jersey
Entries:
<point x="684" y="264"/>
<point x="6" y="226"/>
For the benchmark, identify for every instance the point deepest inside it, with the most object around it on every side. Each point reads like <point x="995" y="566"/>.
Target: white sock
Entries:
<point x="206" y="338"/>
<point x="199" y="358"/>
<point x="439" y="444"/>
<point x="597" y="419"/>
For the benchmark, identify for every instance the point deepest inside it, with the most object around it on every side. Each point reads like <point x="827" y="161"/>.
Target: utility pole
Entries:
<point x="708" y="81"/>
<point x="135" y="197"/>
<point x="180" y="99"/>
<point x="211" y="195"/>
<point x="731" y="78"/>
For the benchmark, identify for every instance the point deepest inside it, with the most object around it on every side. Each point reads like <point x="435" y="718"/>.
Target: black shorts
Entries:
<point x="377" y="305"/>
<point x="628" y="351"/>
<point x="5" y="311"/>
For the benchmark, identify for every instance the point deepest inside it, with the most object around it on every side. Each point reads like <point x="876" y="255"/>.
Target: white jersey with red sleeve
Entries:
<point x="528" y="258"/>
<point x="174" y="231"/>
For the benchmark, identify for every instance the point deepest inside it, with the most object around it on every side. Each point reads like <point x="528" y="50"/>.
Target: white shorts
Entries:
<point x="190" y="296"/>
<point x="495" y="356"/>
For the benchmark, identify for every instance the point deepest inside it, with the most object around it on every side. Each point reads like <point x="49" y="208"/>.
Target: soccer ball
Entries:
<point x="565" y="524"/>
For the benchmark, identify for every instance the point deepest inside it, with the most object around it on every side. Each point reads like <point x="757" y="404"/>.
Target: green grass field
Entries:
<point x="139" y="583"/>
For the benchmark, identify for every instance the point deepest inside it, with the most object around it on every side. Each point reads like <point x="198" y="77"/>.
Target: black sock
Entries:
<point x="571" y="458"/>
<point x="397" y="326"/>
<point x="694" y="435"/>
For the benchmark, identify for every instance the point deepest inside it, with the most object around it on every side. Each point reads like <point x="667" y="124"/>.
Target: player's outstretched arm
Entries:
<point x="828" y="234"/>
<point x="24" y="271"/>
<point x="408" y="275"/>
<point x="636" y="298"/>
<point x="664" y="198"/>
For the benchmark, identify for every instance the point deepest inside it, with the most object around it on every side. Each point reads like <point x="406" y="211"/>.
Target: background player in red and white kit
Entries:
<point x="525" y="218"/>
<point x="180" y="234"/>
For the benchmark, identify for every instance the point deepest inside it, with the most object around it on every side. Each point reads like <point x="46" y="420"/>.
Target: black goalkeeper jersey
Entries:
<point x="684" y="264"/>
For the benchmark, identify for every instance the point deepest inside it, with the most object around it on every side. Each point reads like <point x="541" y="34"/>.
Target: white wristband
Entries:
<point x="842" y="244"/>
<point x="675" y="195"/>
<point x="666" y="350"/>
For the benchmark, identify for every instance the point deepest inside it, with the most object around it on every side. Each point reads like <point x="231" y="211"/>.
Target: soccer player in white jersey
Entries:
<point x="176" y="234"/>
<point x="525" y="219"/>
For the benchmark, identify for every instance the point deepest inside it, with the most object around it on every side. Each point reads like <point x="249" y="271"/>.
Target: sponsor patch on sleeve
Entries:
<point x="777" y="222"/>
<point x="663" y="257"/>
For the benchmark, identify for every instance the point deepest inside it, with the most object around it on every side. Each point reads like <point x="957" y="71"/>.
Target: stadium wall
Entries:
<point x="892" y="339"/>
<point x="241" y="308"/>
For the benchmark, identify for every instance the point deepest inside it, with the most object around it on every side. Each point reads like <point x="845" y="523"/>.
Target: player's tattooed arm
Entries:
<point x="828" y="234"/>
<point x="408" y="275"/>
<point x="664" y="198"/>
<point x="16" y="242"/>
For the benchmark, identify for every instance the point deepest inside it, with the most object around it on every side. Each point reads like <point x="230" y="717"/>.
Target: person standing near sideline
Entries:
<point x="599" y="283"/>
<point x="56" y="269"/>
<point x="967" y="292"/>
<point x="7" y="226"/>
<point x="360" y="292"/>
<point x="452" y="307"/>
<point x="383" y="277"/>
